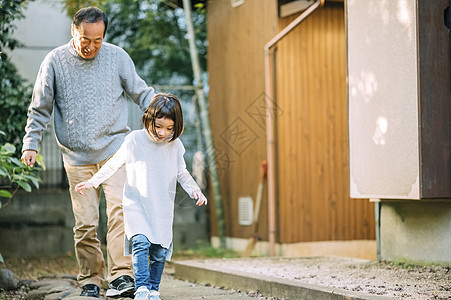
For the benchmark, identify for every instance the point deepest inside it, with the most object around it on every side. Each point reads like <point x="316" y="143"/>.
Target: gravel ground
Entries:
<point x="369" y="277"/>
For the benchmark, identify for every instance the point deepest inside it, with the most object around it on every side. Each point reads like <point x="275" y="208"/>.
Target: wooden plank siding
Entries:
<point x="312" y="134"/>
<point x="236" y="80"/>
<point x="313" y="201"/>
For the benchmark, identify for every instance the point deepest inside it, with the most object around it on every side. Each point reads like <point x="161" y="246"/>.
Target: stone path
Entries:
<point x="66" y="287"/>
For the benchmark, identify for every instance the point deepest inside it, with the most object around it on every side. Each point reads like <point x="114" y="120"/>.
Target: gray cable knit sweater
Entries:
<point x="89" y="101"/>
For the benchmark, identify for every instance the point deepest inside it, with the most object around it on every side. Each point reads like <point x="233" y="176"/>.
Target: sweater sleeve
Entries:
<point x="183" y="176"/>
<point x="41" y="106"/>
<point x="110" y="167"/>
<point x="134" y="86"/>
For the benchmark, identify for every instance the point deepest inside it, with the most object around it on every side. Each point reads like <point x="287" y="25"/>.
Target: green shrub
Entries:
<point x="15" y="175"/>
<point x="15" y="91"/>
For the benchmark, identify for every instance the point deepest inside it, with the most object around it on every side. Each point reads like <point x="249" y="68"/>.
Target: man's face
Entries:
<point x="88" y="38"/>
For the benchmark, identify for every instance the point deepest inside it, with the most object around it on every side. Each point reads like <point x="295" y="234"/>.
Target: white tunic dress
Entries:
<point x="153" y="170"/>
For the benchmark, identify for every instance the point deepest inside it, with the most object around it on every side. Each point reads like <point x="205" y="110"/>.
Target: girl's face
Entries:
<point x="164" y="128"/>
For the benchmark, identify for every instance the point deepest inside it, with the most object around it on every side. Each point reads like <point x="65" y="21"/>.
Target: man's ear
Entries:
<point x="72" y="28"/>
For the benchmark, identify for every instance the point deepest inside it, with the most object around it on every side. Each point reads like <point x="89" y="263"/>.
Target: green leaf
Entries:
<point x="24" y="185"/>
<point x="15" y="161"/>
<point x="3" y="171"/>
<point x="31" y="177"/>
<point x="40" y="161"/>
<point x="36" y="184"/>
<point x="34" y="180"/>
<point x="9" y="148"/>
<point x="17" y="173"/>
<point x="5" y="194"/>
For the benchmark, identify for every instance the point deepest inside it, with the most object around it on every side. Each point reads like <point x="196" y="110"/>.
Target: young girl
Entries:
<point x="153" y="159"/>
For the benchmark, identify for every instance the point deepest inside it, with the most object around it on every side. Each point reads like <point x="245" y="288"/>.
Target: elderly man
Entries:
<point x="86" y="83"/>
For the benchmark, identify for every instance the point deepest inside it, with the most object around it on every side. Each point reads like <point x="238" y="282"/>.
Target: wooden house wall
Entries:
<point x="236" y="84"/>
<point x="313" y="201"/>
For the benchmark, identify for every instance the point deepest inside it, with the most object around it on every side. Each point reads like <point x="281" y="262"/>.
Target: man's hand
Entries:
<point x="29" y="157"/>
<point x="83" y="185"/>
<point x="201" y="199"/>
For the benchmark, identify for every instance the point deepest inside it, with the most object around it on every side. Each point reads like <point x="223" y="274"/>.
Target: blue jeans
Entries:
<point x="148" y="262"/>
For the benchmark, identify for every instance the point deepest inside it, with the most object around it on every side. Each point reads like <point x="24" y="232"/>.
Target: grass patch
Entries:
<point x="204" y="250"/>
<point x="34" y="268"/>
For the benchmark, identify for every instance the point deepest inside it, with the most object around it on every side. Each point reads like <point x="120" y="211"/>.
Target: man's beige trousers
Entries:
<point x="86" y="212"/>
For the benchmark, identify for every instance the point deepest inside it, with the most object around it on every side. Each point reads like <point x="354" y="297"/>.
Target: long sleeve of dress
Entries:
<point x="184" y="177"/>
<point x="110" y="167"/>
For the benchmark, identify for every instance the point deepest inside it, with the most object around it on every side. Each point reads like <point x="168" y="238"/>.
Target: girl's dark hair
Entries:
<point x="90" y="14"/>
<point x="164" y="106"/>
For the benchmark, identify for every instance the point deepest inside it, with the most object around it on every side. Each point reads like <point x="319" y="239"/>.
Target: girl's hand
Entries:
<point x="83" y="185"/>
<point x="197" y="194"/>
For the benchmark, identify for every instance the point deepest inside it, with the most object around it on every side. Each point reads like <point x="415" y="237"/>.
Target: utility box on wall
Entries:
<point x="399" y="99"/>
